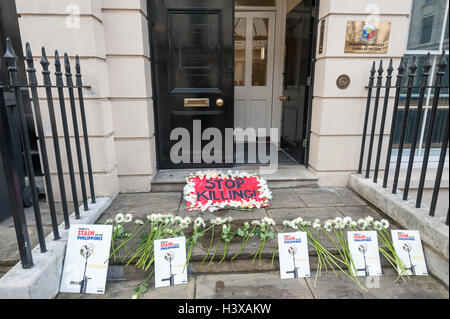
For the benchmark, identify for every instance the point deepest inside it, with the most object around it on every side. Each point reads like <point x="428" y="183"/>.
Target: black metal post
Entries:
<point x="437" y="182"/>
<point x="10" y="58"/>
<point x="76" y="134"/>
<point x="439" y="75"/>
<point x="79" y="84"/>
<point x="51" y="111"/>
<point x="401" y="69"/>
<point x="32" y="81"/>
<point x="411" y="76"/>
<point x="390" y="69"/>
<point x="59" y="84"/>
<point x="375" y="115"/>
<point x="366" y="117"/>
<point x="423" y="83"/>
<point x="13" y="185"/>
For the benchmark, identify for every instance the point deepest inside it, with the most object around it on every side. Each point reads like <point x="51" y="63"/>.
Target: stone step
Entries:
<point x="288" y="176"/>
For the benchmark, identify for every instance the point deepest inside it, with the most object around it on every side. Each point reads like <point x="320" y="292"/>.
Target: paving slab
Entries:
<point x="143" y="204"/>
<point x="9" y="252"/>
<point x="323" y="197"/>
<point x="125" y="290"/>
<point x="265" y="285"/>
<point x="285" y="198"/>
<point x="328" y="286"/>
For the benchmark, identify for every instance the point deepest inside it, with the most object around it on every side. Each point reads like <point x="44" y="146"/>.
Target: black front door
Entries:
<point x="297" y="79"/>
<point x="193" y="61"/>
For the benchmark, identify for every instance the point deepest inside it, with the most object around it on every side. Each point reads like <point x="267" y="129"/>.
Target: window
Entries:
<point x="427" y="33"/>
<point x="427" y="29"/>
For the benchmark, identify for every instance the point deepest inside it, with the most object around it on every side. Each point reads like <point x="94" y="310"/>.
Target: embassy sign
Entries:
<point x="364" y="37"/>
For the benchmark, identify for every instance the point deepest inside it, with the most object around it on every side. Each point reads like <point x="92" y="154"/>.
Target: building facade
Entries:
<point x="145" y="66"/>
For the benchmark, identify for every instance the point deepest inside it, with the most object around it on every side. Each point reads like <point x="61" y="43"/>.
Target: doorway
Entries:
<point x="254" y="36"/>
<point x="301" y="28"/>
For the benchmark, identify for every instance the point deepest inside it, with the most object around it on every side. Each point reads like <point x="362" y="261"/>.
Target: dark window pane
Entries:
<point x="255" y="3"/>
<point x="427" y="29"/>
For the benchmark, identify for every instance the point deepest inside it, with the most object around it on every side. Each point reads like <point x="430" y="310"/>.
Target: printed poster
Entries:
<point x="363" y="247"/>
<point x="170" y="262"/>
<point x="293" y="254"/>
<point x="86" y="262"/>
<point x="408" y="246"/>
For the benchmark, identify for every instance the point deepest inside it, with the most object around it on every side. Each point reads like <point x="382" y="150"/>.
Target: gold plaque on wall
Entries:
<point x="362" y="37"/>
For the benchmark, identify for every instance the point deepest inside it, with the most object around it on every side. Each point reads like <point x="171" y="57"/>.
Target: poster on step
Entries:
<point x="170" y="262"/>
<point x="293" y="254"/>
<point x="86" y="261"/>
<point x="408" y="246"/>
<point x="363" y="247"/>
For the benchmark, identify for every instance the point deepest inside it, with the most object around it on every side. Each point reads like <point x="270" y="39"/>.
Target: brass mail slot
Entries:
<point x="196" y="102"/>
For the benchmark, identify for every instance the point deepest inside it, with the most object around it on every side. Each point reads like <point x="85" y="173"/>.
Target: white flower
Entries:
<point x="109" y="221"/>
<point x="347" y="221"/>
<point x="117" y="228"/>
<point x="139" y="222"/>
<point x="369" y="220"/>
<point x="353" y="224"/>
<point x="199" y="222"/>
<point x="377" y="225"/>
<point x="316" y="224"/>
<point x="286" y="223"/>
<point x="385" y="223"/>
<point x="120" y="218"/>
<point x="256" y="223"/>
<point x="128" y="218"/>
<point x="135" y="296"/>
<point x="338" y="221"/>
<point x="328" y="226"/>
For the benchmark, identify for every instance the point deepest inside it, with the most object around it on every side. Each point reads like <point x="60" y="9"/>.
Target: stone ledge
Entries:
<point x="433" y="231"/>
<point x="43" y="279"/>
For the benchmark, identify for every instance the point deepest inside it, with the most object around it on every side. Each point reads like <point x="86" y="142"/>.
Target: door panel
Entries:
<point x="299" y="27"/>
<point x="192" y="50"/>
<point x="254" y="58"/>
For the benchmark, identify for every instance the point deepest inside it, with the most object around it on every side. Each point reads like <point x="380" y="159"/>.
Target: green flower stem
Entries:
<point x="276" y="247"/>
<point x="225" y="252"/>
<point x="210" y="245"/>
<point x="215" y="251"/>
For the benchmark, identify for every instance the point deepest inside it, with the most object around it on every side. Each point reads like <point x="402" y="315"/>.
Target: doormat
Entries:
<point x="211" y="191"/>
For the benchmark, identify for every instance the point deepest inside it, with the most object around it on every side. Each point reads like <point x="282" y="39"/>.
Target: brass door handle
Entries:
<point x="219" y="102"/>
<point x="285" y="98"/>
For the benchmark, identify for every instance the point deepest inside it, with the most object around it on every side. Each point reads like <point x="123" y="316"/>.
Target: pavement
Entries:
<point x="242" y="279"/>
<point x="9" y="252"/>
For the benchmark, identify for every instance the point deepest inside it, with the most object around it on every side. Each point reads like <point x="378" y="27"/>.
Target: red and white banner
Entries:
<point x="216" y="190"/>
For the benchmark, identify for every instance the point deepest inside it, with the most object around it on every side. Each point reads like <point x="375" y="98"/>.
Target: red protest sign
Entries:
<point x="212" y="191"/>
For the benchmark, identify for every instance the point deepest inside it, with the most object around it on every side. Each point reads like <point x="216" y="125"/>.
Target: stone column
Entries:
<point x="338" y="114"/>
<point x="76" y="27"/>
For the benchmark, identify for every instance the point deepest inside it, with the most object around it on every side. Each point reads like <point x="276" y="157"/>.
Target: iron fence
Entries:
<point x="6" y="145"/>
<point x="404" y="93"/>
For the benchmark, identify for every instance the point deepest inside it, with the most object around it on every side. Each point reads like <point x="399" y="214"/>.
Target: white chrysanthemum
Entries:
<point x="377" y="225"/>
<point x="338" y="221"/>
<point x="347" y="221"/>
<point x="119" y="218"/>
<point x="256" y="223"/>
<point x="128" y="218"/>
<point x="353" y="224"/>
<point x="369" y="220"/>
<point x="286" y="223"/>
<point x="109" y="221"/>
<point x="385" y="223"/>
<point x="117" y="227"/>
<point x="199" y="222"/>
<point x="316" y="224"/>
<point x="139" y="222"/>
<point x="328" y="226"/>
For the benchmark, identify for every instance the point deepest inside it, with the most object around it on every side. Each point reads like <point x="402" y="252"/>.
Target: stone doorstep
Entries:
<point x="43" y="279"/>
<point x="291" y="176"/>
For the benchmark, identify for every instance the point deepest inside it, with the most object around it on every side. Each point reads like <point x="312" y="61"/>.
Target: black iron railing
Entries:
<point x="405" y="92"/>
<point x="6" y="147"/>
